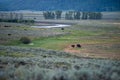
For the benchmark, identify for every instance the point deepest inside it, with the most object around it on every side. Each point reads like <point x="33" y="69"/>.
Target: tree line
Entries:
<point x="52" y="14"/>
<point x="17" y="21"/>
<point x="14" y="17"/>
<point x="72" y="15"/>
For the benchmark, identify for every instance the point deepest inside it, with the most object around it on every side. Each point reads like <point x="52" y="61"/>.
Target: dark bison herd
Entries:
<point x="77" y="45"/>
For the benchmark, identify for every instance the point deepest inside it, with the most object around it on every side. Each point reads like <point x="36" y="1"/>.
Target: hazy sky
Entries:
<point x="87" y="5"/>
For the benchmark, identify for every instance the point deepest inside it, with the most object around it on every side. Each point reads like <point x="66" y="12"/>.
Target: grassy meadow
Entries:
<point x="94" y="36"/>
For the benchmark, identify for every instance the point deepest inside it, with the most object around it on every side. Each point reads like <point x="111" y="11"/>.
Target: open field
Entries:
<point x="50" y="56"/>
<point x="99" y="39"/>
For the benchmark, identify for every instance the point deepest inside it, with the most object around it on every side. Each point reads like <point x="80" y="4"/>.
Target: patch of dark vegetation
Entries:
<point x="62" y="28"/>
<point x="3" y="78"/>
<point x="59" y="78"/>
<point x="25" y="40"/>
<point x="82" y="76"/>
<point x="16" y="21"/>
<point x="2" y="66"/>
<point x="77" y="67"/>
<point x="44" y="56"/>
<point x="22" y="63"/>
<point x="7" y="26"/>
<point x="25" y="29"/>
<point x="9" y="34"/>
<point x="65" y="68"/>
<point x="39" y="77"/>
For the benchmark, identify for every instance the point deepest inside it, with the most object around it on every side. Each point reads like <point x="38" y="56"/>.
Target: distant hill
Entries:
<point x="43" y="5"/>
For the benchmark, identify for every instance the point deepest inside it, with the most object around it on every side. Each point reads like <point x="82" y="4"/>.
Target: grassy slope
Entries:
<point x="76" y="34"/>
<point x="36" y="64"/>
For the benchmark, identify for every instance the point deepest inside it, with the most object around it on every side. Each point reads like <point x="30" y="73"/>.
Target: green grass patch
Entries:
<point x="61" y="42"/>
<point x="75" y="34"/>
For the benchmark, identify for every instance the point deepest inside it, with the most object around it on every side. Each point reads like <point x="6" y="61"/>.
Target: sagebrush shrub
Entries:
<point x="9" y="34"/>
<point x="25" y="40"/>
<point x="62" y="28"/>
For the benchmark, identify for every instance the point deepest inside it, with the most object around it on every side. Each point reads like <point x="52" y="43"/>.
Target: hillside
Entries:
<point x="41" y="5"/>
<point x="39" y="64"/>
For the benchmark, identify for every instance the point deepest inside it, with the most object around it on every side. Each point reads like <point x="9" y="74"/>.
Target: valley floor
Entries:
<point x="51" y="56"/>
<point x="99" y="39"/>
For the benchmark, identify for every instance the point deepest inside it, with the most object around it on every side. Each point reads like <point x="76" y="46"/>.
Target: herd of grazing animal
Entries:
<point x="77" y="45"/>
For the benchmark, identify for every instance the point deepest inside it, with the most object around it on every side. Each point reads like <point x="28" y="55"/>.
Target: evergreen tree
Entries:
<point x="98" y="15"/>
<point x="58" y="14"/>
<point x="69" y="15"/>
<point x="49" y="15"/>
<point x="77" y="15"/>
<point x="84" y="15"/>
<point x="66" y="15"/>
<point x="95" y="15"/>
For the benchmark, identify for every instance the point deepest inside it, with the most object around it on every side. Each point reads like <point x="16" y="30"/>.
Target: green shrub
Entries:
<point x="25" y="40"/>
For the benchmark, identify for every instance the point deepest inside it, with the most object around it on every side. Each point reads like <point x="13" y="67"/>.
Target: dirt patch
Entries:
<point x="71" y="50"/>
<point x="75" y="51"/>
<point x="95" y="51"/>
